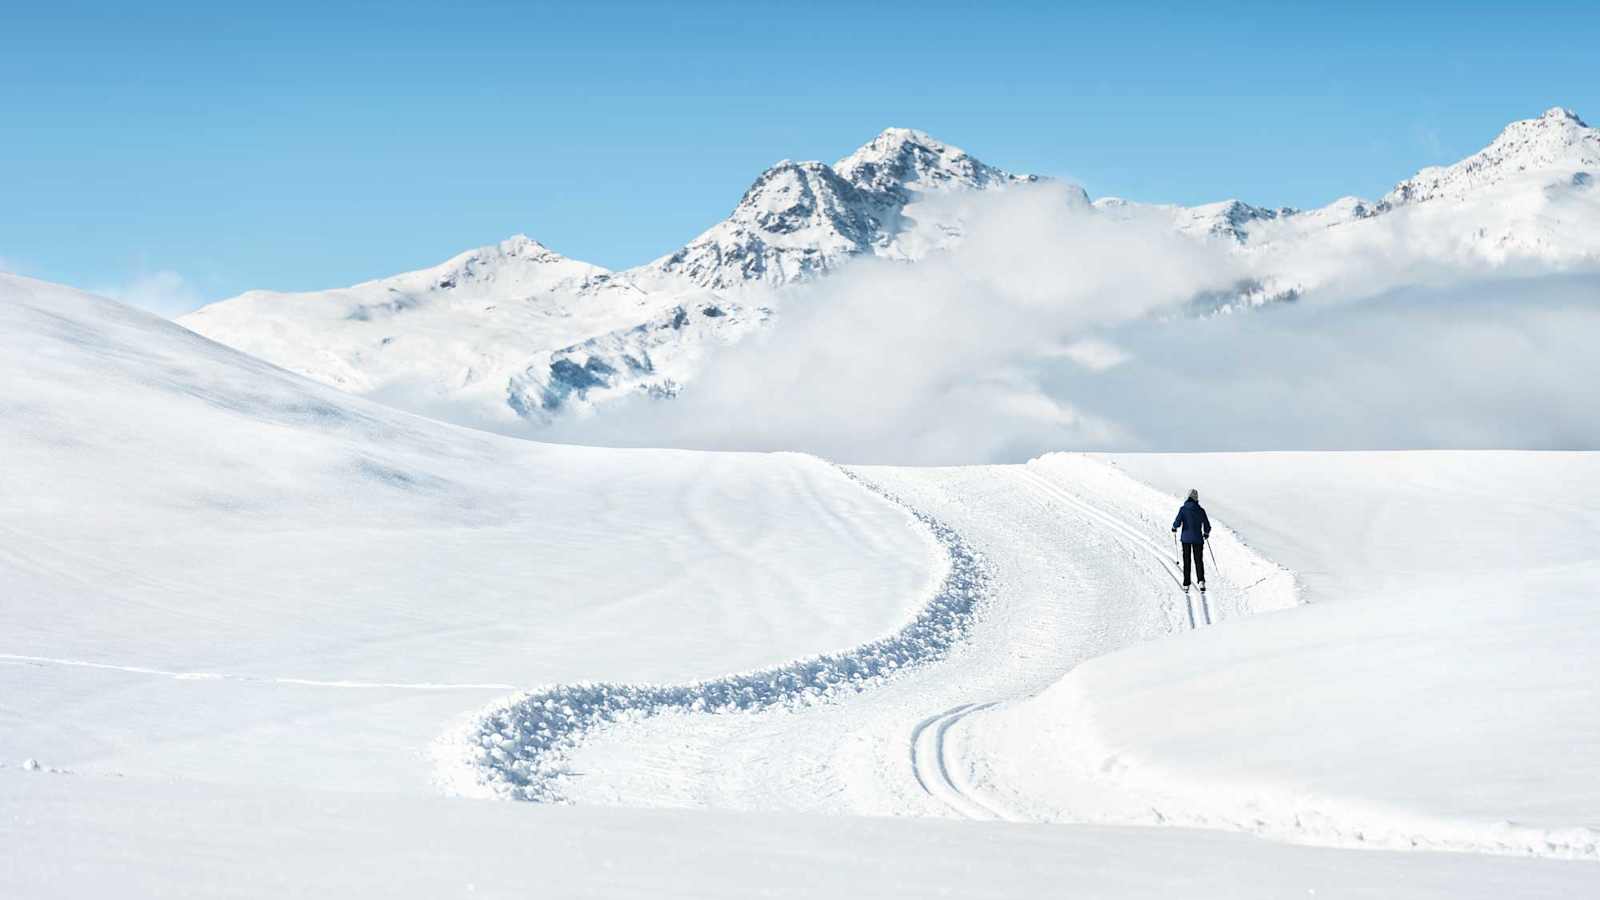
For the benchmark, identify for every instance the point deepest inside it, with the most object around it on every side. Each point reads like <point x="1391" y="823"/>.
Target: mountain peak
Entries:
<point x="796" y="220"/>
<point x="1560" y="114"/>
<point x="1557" y="141"/>
<point x="900" y="161"/>
<point x="893" y="137"/>
<point x="799" y="219"/>
<point x="520" y="243"/>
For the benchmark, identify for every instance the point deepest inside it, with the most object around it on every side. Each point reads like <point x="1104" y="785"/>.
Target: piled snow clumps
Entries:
<point x="517" y="748"/>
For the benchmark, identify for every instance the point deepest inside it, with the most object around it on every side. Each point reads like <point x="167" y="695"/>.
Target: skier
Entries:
<point x="1196" y="531"/>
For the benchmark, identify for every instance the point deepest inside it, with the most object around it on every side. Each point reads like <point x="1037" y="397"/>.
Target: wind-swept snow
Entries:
<point x="202" y="551"/>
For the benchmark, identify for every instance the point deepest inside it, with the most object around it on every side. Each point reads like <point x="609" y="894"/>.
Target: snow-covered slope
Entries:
<point x="1438" y="692"/>
<point x="502" y="332"/>
<point x="515" y="335"/>
<point x="204" y="554"/>
<point x="1553" y="153"/>
<point x="1228" y="219"/>
<point x="508" y="335"/>
<point x="1557" y="141"/>
<point x="803" y="219"/>
<point x="1435" y="693"/>
<point x="237" y="606"/>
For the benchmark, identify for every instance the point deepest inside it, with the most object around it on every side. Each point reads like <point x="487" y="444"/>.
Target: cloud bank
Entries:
<point x="1054" y="327"/>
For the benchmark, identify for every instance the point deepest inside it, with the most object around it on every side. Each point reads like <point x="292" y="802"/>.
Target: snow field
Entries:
<point x="1066" y="586"/>
<point x="72" y="837"/>
<point x="212" y="568"/>
<point x="1436" y="694"/>
<point x="518" y="747"/>
<point x="242" y="605"/>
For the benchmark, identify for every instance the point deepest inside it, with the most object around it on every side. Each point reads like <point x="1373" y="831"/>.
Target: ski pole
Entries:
<point x="1177" y="558"/>
<point x="1215" y="569"/>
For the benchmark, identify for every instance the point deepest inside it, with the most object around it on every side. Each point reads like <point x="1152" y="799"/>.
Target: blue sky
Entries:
<point x="185" y="152"/>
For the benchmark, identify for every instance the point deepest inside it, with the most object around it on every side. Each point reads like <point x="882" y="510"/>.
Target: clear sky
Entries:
<point x="184" y="152"/>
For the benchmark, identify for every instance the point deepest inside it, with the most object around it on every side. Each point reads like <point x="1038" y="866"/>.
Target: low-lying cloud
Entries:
<point x="1053" y="327"/>
<point x="164" y="292"/>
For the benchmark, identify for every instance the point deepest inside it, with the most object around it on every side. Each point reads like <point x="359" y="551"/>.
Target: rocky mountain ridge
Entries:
<point x="515" y="333"/>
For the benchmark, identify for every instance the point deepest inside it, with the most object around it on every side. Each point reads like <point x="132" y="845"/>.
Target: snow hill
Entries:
<point x="516" y="333"/>
<point x="252" y="625"/>
<point x="204" y="553"/>
<point x="508" y="336"/>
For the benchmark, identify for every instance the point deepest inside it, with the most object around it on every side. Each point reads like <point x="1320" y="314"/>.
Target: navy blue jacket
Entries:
<point x="1196" y="527"/>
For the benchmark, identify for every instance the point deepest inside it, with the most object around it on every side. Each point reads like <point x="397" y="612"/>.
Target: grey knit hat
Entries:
<point x="1194" y="495"/>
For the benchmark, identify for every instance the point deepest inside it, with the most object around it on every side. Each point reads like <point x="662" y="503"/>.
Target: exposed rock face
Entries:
<point x="515" y="332"/>
<point x="800" y="220"/>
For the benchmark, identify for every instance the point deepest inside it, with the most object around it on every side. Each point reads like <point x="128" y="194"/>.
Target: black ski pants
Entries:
<point x="1194" y="550"/>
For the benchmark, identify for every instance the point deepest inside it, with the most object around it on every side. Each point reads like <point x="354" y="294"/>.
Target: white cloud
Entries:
<point x="162" y="292"/>
<point x="1094" y="354"/>
<point x="940" y="361"/>
<point x="1051" y="327"/>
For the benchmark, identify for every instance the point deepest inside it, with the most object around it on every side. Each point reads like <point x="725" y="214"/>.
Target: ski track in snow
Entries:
<point x="1047" y="611"/>
<point x="517" y="748"/>
<point x="932" y="757"/>
<point x="931" y="765"/>
<point x="1128" y="531"/>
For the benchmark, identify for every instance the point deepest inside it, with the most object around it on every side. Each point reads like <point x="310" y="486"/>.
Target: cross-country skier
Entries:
<point x="1196" y="531"/>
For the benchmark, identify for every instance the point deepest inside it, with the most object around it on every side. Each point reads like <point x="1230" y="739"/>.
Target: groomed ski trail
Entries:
<point x="1128" y="532"/>
<point x="1066" y="579"/>
<point x="933" y="757"/>
<point x="518" y="748"/>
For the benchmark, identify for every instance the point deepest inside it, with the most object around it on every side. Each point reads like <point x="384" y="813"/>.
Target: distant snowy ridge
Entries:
<point x="1557" y="139"/>
<point x="515" y="334"/>
<point x="1556" y="142"/>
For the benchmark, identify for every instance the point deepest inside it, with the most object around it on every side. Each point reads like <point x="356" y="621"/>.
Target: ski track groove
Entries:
<point x="930" y="764"/>
<point x="1155" y="550"/>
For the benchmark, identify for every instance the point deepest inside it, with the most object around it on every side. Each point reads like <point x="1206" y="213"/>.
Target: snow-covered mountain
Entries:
<point x="516" y="333"/>
<point x="1557" y="140"/>
<point x="803" y="219"/>
<point x="1557" y="150"/>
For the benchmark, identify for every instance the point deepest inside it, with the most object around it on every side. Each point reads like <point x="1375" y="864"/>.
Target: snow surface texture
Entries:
<point x="519" y="339"/>
<point x="519" y="748"/>
<point x="203" y="555"/>
<point x="242" y="604"/>
<point x="1438" y="692"/>
<point x="1393" y="712"/>
<point x="1079" y="568"/>
<point x="72" y="838"/>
